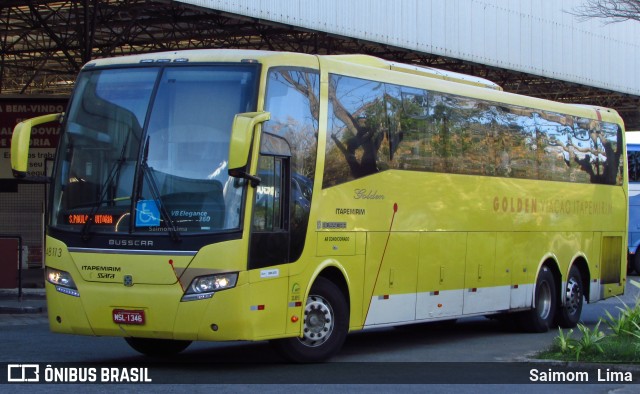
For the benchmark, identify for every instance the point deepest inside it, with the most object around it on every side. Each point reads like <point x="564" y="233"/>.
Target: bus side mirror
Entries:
<point x="20" y="142"/>
<point x="242" y="133"/>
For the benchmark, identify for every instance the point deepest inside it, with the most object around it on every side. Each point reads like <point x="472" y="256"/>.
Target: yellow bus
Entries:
<point x="217" y="195"/>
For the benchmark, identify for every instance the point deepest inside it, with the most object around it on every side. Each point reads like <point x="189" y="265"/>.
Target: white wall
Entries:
<point x="533" y="36"/>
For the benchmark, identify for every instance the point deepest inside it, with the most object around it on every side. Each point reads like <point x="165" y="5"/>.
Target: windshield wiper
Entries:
<point x="117" y="165"/>
<point x="155" y="193"/>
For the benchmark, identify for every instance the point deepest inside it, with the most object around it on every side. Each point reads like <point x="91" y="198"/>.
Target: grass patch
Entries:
<point x="614" y="350"/>
<point x="619" y="342"/>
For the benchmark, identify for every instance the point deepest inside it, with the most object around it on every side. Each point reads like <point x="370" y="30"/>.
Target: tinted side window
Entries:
<point x="357" y="135"/>
<point x="595" y="151"/>
<point x="375" y="126"/>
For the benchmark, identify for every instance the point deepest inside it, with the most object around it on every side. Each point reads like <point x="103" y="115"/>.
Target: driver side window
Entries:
<point x="268" y="215"/>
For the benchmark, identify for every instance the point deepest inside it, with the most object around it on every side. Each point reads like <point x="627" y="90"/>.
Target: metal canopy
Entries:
<point x="44" y="43"/>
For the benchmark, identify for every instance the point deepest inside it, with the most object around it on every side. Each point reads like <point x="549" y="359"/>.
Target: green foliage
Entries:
<point x="627" y="321"/>
<point x="589" y="342"/>
<point x="636" y="333"/>
<point x="565" y="342"/>
<point x="620" y="344"/>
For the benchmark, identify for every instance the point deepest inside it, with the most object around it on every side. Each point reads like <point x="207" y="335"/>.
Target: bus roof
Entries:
<point x="239" y="55"/>
<point x="196" y="55"/>
<point x="352" y="61"/>
<point x="372" y="61"/>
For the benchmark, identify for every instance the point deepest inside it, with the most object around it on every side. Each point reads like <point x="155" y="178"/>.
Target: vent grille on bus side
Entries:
<point x="611" y="255"/>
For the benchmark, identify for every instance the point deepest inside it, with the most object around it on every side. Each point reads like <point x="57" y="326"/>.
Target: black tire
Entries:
<point x="325" y="326"/>
<point x="568" y="315"/>
<point x="157" y="347"/>
<point x="541" y="317"/>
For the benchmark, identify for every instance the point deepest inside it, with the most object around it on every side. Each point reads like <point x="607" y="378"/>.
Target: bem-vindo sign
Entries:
<point x="44" y="138"/>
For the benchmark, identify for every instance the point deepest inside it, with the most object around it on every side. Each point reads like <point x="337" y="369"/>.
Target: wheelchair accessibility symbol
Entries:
<point x="147" y="214"/>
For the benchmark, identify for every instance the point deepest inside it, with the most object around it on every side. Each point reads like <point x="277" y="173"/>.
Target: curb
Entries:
<point x="19" y="310"/>
<point x="31" y="301"/>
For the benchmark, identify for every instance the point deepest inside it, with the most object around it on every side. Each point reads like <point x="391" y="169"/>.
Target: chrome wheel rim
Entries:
<point x="318" y="322"/>
<point x="573" y="296"/>
<point x="544" y="300"/>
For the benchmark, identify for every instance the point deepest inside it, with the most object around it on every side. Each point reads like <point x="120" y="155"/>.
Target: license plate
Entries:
<point x="124" y="316"/>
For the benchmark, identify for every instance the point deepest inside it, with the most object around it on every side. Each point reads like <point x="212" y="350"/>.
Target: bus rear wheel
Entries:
<point x="157" y="347"/>
<point x="324" y="326"/>
<point x="568" y="314"/>
<point x="541" y="317"/>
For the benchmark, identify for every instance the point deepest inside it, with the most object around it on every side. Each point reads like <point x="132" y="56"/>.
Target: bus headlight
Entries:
<point x="63" y="281"/>
<point x="203" y="287"/>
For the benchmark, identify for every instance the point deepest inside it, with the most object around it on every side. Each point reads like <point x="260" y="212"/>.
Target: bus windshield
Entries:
<point x="139" y="153"/>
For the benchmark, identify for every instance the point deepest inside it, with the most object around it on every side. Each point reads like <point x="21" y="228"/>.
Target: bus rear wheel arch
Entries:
<point x="324" y="327"/>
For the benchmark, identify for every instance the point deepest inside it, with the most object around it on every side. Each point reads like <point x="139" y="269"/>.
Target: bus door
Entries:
<point x="269" y="240"/>
<point x="270" y="223"/>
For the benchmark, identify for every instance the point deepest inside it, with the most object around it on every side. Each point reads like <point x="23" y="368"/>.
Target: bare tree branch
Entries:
<point x="612" y="10"/>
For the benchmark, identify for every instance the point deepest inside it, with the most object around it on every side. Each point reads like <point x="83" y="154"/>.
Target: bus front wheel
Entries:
<point x="157" y="347"/>
<point x="541" y="317"/>
<point x="324" y="326"/>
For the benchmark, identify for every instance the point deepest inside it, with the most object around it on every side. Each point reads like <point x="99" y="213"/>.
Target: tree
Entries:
<point x="613" y="10"/>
